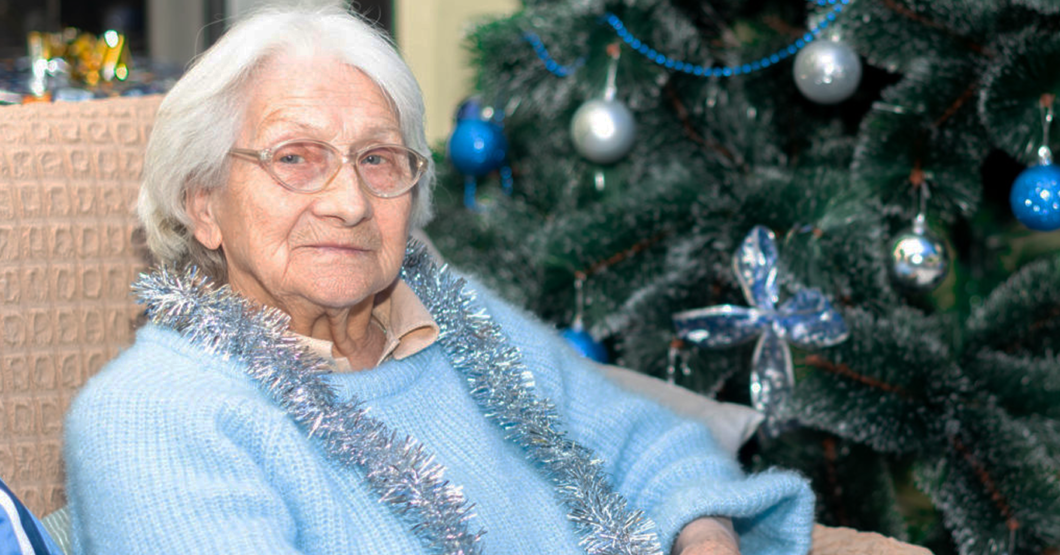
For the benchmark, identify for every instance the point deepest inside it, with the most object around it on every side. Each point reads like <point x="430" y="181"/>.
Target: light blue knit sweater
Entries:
<point x="171" y="450"/>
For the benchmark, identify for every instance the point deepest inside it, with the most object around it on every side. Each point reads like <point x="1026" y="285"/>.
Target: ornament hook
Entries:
<point x="1045" y="105"/>
<point x="610" y="86"/>
<point x="920" y="221"/>
<point x="919" y="180"/>
<point x="610" y="91"/>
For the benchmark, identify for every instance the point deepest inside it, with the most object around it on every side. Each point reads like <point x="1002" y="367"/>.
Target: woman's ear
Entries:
<point x="203" y="216"/>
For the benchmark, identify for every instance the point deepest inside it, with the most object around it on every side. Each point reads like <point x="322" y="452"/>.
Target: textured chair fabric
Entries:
<point x="69" y="175"/>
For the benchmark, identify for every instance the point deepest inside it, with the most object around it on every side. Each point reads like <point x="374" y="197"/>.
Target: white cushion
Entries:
<point x="731" y="424"/>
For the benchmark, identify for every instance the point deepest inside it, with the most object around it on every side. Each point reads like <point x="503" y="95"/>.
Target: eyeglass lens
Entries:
<point x="307" y="166"/>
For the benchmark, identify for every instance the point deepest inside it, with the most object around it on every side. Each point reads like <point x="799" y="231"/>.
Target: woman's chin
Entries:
<point x="339" y="294"/>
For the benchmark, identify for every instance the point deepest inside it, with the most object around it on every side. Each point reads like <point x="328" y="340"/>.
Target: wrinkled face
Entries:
<point x="307" y="253"/>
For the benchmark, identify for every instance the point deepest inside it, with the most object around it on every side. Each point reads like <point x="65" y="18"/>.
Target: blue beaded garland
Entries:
<point x="554" y="67"/>
<point x="686" y="67"/>
<point x="641" y="47"/>
<point x="1035" y="197"/>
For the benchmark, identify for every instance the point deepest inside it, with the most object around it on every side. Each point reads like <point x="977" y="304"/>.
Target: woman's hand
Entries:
<point x="707" y="536"/>
<point x="710" y="547"/>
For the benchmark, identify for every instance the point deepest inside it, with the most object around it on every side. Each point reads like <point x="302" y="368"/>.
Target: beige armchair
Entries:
<point x="68" y="182"/>
<point x="69" y="175"/>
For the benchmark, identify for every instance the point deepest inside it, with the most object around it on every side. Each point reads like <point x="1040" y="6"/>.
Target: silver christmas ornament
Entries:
<point x="827" y="71"/>
<point x="918" y="257"/>
<point x="603" y="131"/>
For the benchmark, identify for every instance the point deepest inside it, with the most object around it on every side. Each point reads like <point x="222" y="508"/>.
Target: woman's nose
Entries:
<point x="345" y="198"/>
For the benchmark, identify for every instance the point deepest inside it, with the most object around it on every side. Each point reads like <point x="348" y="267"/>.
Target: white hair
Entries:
<point x="200" y="118"/>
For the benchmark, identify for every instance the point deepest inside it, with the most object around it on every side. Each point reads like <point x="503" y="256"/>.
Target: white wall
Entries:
<point x="174" y="30"/>
<point x="431" y="36"/>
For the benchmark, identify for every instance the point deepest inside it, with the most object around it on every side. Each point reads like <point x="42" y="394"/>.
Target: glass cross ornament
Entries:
<point x="806" y="320"/>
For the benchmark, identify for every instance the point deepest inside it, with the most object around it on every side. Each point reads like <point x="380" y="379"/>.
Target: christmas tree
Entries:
<point x="837" y="212"/>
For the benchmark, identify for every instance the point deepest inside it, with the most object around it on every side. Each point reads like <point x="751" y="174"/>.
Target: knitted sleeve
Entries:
<point x="669" y="467"/>
<point x="158" y="441"/>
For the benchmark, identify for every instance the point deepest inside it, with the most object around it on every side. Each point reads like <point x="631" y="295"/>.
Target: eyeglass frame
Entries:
<point x="264" y="159"/>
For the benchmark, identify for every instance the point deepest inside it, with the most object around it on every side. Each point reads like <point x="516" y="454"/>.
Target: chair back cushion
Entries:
<point x="69" y="176"/>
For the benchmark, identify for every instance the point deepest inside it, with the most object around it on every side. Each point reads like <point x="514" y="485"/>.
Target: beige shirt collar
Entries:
<point x="408" y="325"/>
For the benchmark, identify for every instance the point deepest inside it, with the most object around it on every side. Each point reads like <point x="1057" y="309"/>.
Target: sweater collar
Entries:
<point x="408" y="325"/>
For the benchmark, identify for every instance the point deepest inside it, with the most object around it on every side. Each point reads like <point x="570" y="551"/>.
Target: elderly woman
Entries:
<point x="308" y="384"/>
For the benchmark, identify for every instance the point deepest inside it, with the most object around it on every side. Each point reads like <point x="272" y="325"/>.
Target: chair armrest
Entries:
<point x="847" y="541"/>
<point x="731" y="424"/>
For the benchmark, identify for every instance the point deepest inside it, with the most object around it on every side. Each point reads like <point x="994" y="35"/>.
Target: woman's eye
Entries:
<point x="290" y="159"/>
<point x="377" y="158"/>
<point x="373" y="160"/>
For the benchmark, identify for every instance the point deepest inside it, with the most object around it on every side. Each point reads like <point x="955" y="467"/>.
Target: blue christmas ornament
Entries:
<point x="477" y="147"/>
<point x="1035" y="197"/>
<point x="806" y="320"/>
<point x="584" y="343"/>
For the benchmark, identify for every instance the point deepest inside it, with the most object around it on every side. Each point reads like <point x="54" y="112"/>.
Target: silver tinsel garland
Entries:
<point x="401" y="472"/>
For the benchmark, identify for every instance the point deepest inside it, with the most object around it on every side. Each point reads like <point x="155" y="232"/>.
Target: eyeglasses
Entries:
<point x="308" y="166"/>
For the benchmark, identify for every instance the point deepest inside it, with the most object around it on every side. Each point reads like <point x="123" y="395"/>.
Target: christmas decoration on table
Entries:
<point x="1035" y="195"/>
<point x="72" y="65"/>
<point x="827" y="71"/>
<point x="101" y="59"/>
<point x="576" y="335"/>
<point x="80" y="57"/>
<point x="806" y="320"/>
<point x="603" y="130"/>
<point x="478" y="147"/>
